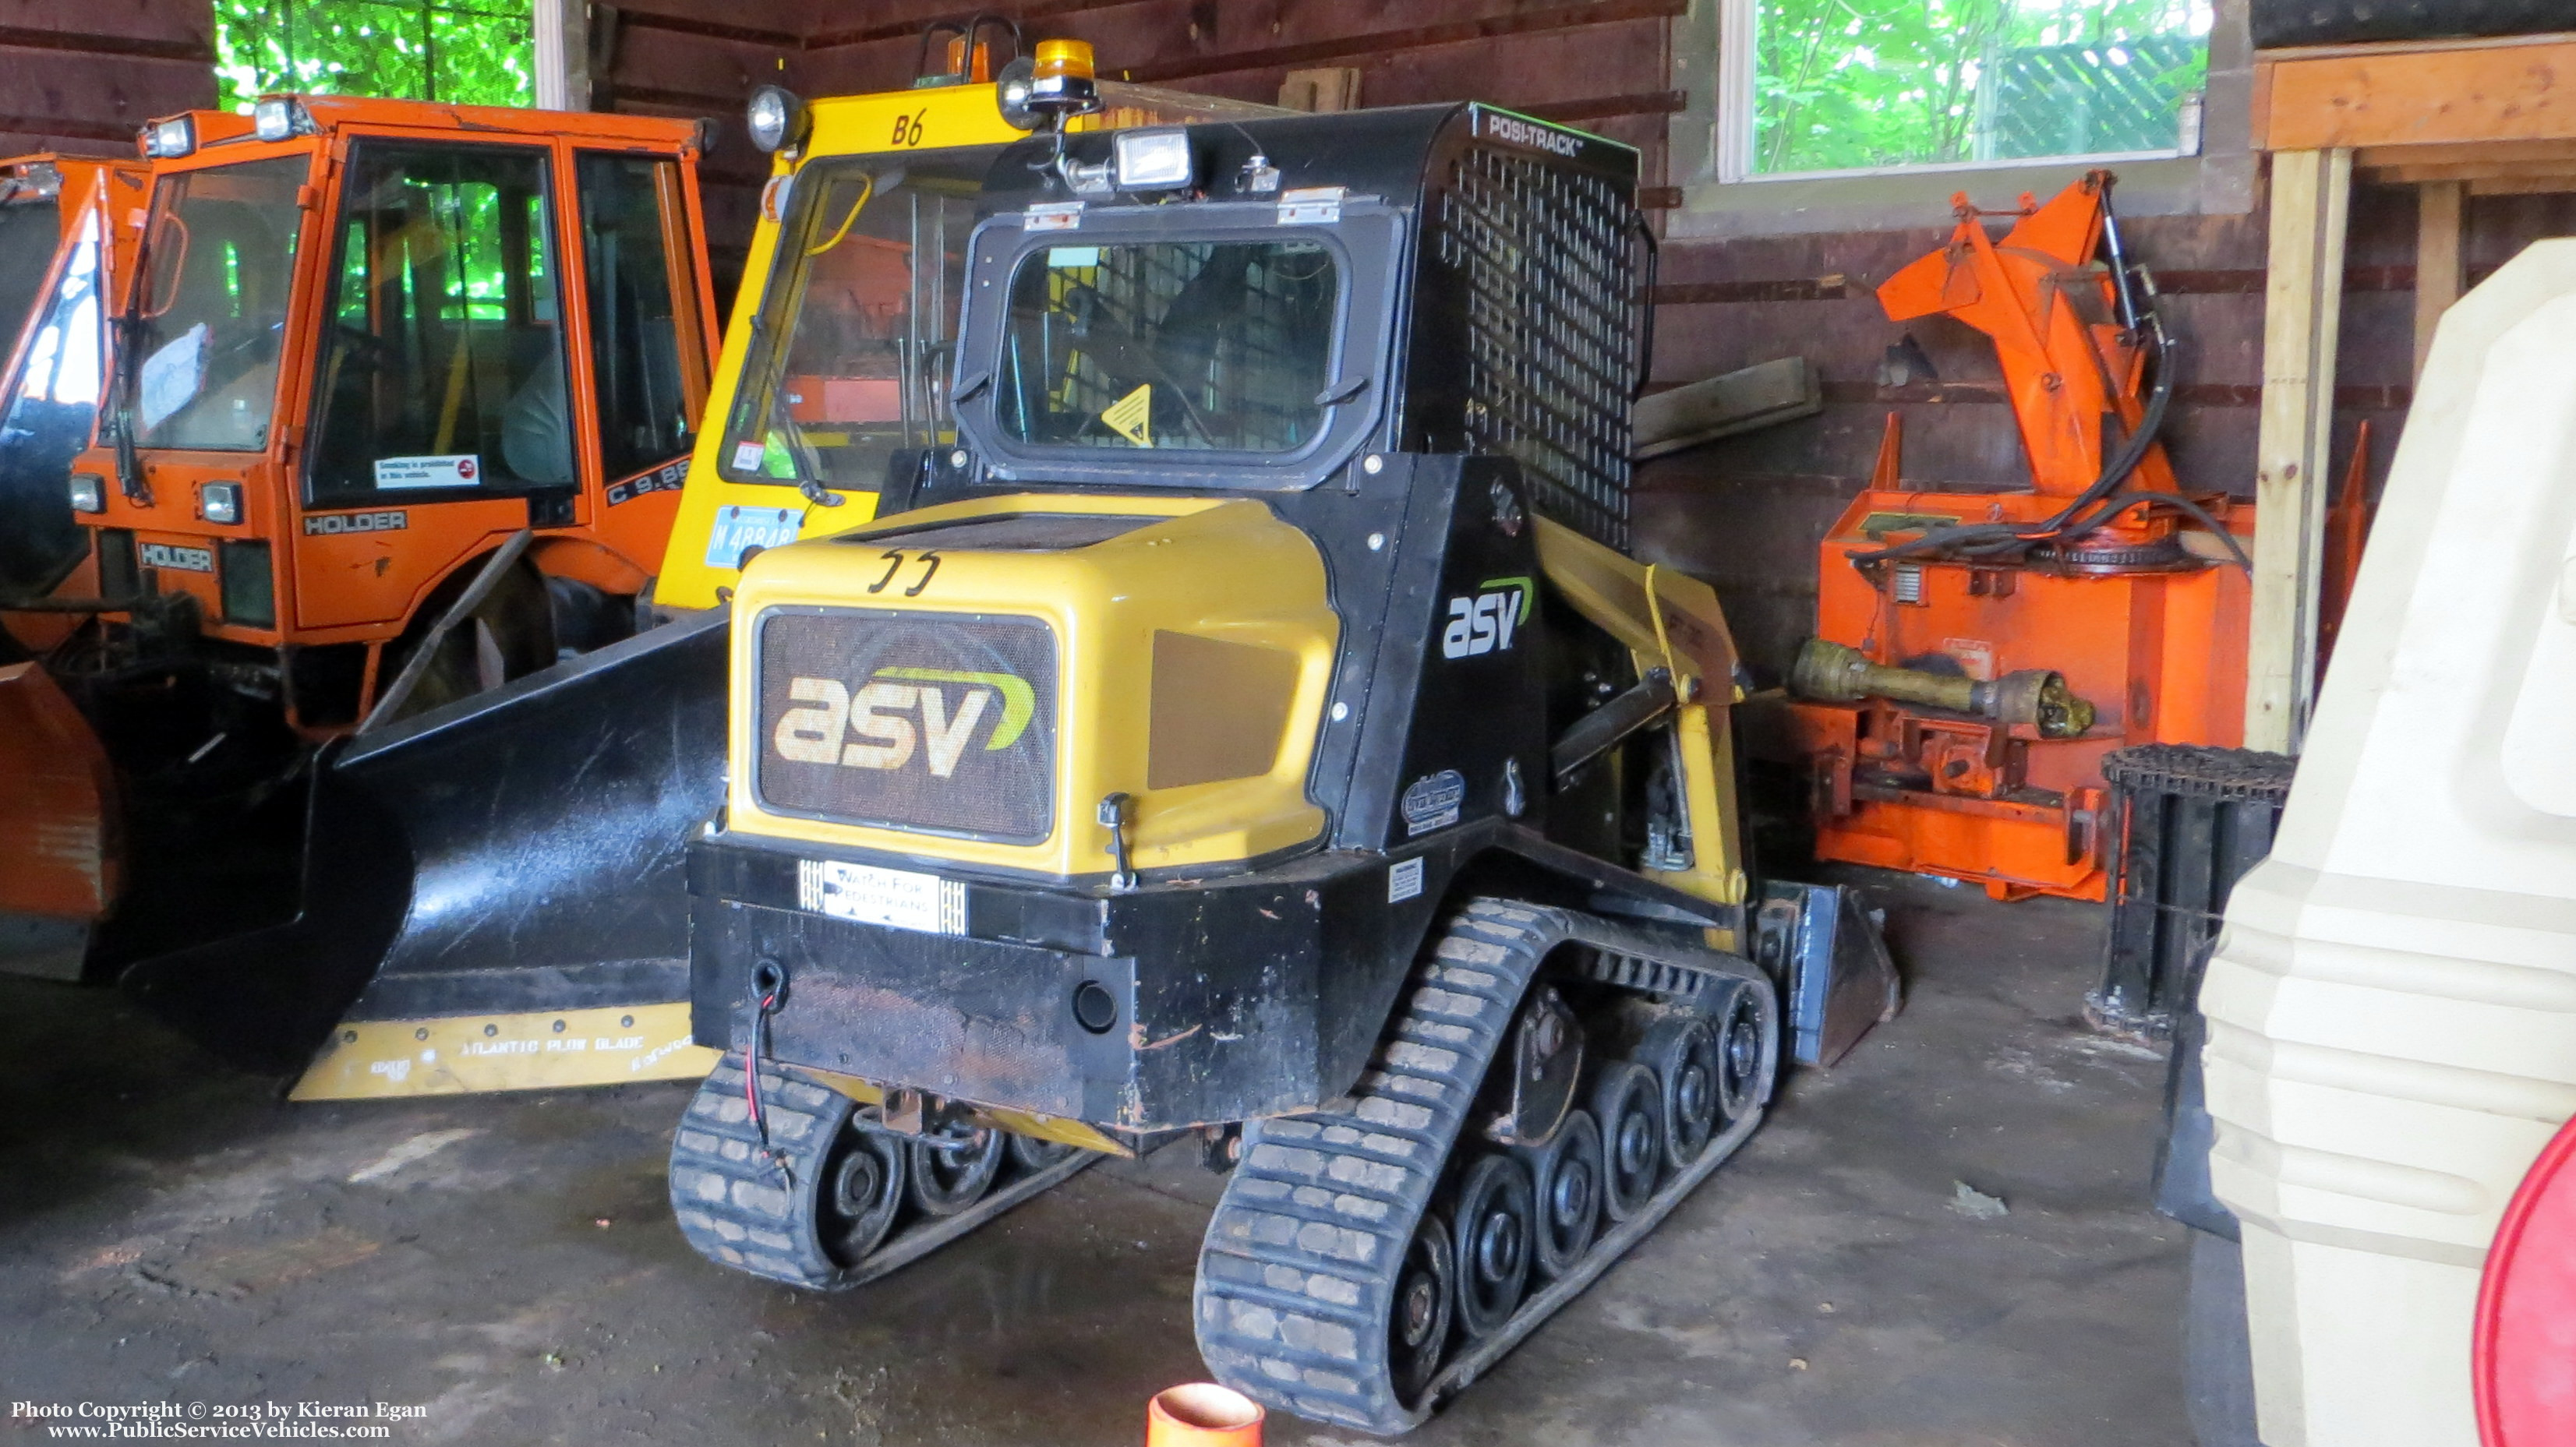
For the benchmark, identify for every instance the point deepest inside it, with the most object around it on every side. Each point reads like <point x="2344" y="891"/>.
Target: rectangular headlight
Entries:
<point x="220" y="502"/>
<point x="277" y="118"/>
<point x="1153" y="160"/>
<point x="168" y="140"/>
<point x="89" y="492"/>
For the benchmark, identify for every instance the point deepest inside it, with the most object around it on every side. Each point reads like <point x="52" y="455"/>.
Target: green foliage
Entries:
<point x="408" y="49"/>
<point x="1843" y="84"/>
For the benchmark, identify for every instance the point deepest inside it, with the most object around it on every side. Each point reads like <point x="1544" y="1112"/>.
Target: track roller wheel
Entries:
<point x="1565" y="1176"/>
<point x="951" y="1172"/>
<point x="1036" y="1153"/>
<point x="1426" y="1300"/>
<point x="1748" y="1053"/>
<point x="1497" y="1216"/>
<point x="1630" y="1110"/>
<point x="863" y="1184"/>
<point x="1682" y="1051"/>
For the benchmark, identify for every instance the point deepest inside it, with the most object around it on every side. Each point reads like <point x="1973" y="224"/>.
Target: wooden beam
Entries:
<point x="2437" y="260"/>
<point x="2375" y="158"/>
<point x="2302" y="317"/>
<point x="2474" y="171"/>
<point x="2520" y="92"/>
<point x="2524" y="185"/>
<point x="1763" y="395"/>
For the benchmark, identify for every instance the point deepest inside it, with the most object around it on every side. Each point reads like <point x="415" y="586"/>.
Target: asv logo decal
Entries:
<point x="901" y="714"/>
<point x="1486" y="621"/>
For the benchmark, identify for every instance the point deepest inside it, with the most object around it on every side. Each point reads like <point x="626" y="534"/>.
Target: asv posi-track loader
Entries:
<point x="1252" y="725"/>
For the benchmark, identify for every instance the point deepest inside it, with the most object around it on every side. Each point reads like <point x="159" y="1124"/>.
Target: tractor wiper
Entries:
<point x="122" y="376"/>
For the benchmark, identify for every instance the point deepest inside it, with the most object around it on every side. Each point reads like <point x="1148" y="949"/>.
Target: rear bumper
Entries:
<point x="1226" y="1007"/>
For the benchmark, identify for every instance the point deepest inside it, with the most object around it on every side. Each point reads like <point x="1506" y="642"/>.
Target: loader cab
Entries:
<point x="1259" y="307"/>
<point x="839" y="360"/>
<point x="368" y="342"/>
<point x="56" y="242"/>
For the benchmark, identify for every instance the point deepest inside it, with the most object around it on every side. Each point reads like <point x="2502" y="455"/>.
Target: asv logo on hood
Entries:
<point x="1485" y="621"/>
<point x="902" y="714"/>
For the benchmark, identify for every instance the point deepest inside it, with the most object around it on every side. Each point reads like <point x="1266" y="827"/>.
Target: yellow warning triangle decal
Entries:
<point x="1132" y="415"/>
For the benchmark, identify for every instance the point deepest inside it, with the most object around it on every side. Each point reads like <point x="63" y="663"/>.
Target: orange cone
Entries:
<point x="1202" y="1414"/>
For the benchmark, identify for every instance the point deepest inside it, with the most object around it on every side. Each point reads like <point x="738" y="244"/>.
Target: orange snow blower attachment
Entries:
<point x="2103" y="580"/>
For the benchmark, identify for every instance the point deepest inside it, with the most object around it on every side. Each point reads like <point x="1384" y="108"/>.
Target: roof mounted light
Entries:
<point x="778" y="120"/>
<point x="41" y="180"/>
<point x="169" y="140"/>
<point x="279" y="117"/>
<point x="1155" y="160"/>
<point x="1061" y="85"/>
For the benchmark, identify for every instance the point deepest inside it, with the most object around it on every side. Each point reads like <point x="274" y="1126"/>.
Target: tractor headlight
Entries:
<point x="279" y="117"/>
<point x="168" y="140"/>
<point x="776" y="117"/>
<point x="89" y="492"/>
<point x="220" y="502"/>
<point x="1154" y="160"/>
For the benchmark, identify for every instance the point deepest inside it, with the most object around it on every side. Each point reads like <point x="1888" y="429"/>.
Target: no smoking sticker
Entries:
<point x="461" y="469"/>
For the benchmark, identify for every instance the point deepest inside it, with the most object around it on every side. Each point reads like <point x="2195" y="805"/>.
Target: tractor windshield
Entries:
<point x="221" y="258"/>
<point x="1202" y="345"/>
<point x="849" y="354"/>
<point x="52" y="401"/>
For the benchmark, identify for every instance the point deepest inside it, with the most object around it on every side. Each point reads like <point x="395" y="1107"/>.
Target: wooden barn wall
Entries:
<point x="82" y="75"/>
<point x="1602" y="62"/>
<point x="1746" y="513"/>
<point x="702" y="59"/>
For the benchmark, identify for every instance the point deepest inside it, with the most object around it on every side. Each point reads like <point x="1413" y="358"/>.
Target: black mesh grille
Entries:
<point x="1549" y="271"/>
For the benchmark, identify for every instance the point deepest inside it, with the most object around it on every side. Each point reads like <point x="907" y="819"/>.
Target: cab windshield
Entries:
<point x="52" y="400"/>
<point x="221" y="257"/>
<point x="1195" y="345"/>
<point x="850" y="352"/>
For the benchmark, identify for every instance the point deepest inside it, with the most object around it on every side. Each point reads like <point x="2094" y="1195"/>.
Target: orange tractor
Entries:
<point x="398" y="404"/>
<point x="1978" y="652"/>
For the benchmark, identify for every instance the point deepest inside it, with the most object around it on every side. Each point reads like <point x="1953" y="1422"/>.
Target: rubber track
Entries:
<point x="733" y="1206"/>
<point x="1300" y="1261"/>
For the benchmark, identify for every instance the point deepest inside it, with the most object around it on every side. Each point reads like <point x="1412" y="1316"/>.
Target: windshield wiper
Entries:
<point x="122" y="375"/>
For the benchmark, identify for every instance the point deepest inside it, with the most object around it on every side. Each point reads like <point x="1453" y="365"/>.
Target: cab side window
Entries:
<point x="444" y="366"/>
<point x="648" y="349"/>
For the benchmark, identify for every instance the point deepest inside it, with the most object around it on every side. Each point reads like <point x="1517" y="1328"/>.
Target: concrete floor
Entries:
<point x="169" y="1231"/>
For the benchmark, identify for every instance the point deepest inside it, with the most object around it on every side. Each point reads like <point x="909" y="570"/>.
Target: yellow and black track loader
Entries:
<point x="1253" y="725"/>
<point x="493" y="892"/>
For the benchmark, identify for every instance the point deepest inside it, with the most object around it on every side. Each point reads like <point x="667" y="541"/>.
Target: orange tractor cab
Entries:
<point x="65" y="243"/>
<point x="1978" y="652"/>
<point x="369" y="347"/>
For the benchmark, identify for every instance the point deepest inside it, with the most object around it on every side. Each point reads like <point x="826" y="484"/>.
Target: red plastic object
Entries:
<point x="2523" y="1362"/>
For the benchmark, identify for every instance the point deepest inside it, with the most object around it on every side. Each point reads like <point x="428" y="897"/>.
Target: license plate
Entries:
<point x="740" y="528"/>
<point x="897" y="898"/>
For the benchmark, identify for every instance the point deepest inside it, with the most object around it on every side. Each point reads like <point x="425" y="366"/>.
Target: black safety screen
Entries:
<point x="1547" y="258"/>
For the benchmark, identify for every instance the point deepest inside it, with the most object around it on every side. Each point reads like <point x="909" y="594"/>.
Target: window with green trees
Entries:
<point x="1841" y="85"/>
<point x="470" y="53"/>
